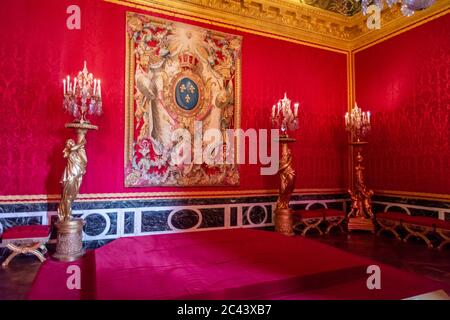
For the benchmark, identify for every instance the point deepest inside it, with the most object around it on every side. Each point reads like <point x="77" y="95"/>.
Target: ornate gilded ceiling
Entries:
<point x="334" y="24"/>
<point x="345" y="7"/>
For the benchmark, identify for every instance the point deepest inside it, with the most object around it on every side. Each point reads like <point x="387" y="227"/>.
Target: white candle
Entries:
<point x="368" y="117"/>
<point x="64" y="83"/>
<point x="74" y="84"/>
<point x="99" y="89"/>
<point x="68" y="84"/>
<point x="279" y="106"/>
<point x="273" y="111"/>
<point x="296" y="108"/>
<point x="95" y="85"/>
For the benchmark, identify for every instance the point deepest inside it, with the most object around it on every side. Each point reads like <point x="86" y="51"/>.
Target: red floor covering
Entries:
<point x="226" y="264"/>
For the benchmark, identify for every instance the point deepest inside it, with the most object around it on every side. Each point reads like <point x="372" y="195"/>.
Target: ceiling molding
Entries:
<point x="291" y="20"/>
<point x="393" y="22"/>
<point x="344" y="7"/>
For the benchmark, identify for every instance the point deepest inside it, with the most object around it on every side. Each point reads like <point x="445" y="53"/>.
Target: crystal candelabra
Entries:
<point x="82" y="95"/>
<point x="284" y="117"/>
<point x="408" y="7"/>
<point x="360" y="217"/>
<point x="357" y="122"/>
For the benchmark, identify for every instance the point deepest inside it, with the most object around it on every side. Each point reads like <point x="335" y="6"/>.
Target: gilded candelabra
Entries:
<point x="360" y="216"/>
<point x="82" y="96"/>
<point x="284" y="118"/>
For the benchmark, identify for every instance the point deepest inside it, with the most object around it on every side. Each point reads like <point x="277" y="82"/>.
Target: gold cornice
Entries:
<point x="291" y="20"/>
<point x="280" y="19"/>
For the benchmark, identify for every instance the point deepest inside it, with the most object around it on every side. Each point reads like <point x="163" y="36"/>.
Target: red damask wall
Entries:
<point x="405" y="82"/>
<point x="38" y="51"/>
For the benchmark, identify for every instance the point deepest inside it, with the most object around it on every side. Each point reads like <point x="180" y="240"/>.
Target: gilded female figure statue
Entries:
<point x="287" y="178"/>
<point x="73" y="174"/>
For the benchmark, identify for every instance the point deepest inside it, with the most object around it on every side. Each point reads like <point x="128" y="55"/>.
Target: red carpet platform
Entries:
<point x="226" y="264"/>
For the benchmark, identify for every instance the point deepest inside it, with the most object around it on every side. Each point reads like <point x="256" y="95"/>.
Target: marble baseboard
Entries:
<point x="415" y="207"/>
<point x="108" y="220"/>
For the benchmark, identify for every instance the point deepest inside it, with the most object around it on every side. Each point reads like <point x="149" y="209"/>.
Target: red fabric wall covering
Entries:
<point x="405" y="82"/>
<point x="38" y="51"/>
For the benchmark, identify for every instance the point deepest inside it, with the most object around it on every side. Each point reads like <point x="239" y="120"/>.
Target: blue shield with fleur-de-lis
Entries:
<point x="186" y="94"/>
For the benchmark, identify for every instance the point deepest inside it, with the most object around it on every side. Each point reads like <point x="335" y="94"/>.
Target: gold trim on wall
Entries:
<point x="129" y="100"/>
<point x="413" y="195"/>
<point x="11" y="199"/>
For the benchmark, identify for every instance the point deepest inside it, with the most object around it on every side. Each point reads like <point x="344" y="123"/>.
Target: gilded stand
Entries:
<point x="82" y="96"/>
<point x="283" y="214"/>
<point x="69" y="245"/>
<point x="361" y="216"/>
<point x="284" y="117"/>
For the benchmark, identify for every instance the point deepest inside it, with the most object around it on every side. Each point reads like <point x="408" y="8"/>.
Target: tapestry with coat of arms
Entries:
<point x="178" y="77"/>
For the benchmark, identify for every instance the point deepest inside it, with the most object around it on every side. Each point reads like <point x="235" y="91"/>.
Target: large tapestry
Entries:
<point x="182" y="81"/>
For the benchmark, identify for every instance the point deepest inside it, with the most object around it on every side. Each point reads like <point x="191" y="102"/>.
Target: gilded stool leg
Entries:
<point x="297" y="226"/>
<point x="34" y="249"/>
<point x="445" y="241"/>
<point x="332" y="224"/>
<point x="420" y="233"/>
<point x="314" y="225"/>
<point x="442" y="244"/>
<point x="9" y="258"/>
<point x="16" y="250"/>
<point x="389" y="228"/>
<point x="39" y="255"/>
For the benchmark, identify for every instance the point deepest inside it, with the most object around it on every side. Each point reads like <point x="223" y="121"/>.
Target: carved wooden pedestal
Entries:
<point x="70" y="245"/>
